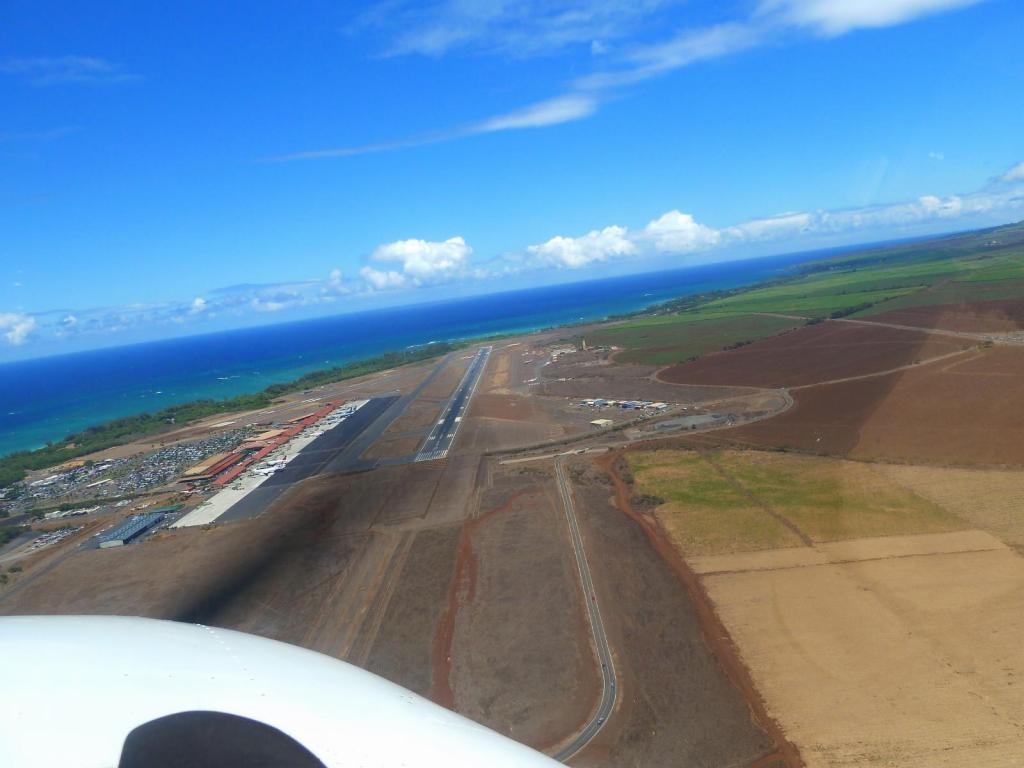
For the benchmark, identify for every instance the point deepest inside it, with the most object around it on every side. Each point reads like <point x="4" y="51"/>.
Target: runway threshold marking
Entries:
<point x="604" y="653"/>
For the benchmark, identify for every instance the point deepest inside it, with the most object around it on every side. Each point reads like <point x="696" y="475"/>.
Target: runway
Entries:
<point x="441" y="437"/>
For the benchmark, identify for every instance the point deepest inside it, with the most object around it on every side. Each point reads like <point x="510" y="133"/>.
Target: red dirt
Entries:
<point x="969" y="410"/>
<point x="811" y="354"/>
<point x="983" y="317"/>
<point x="715" y="635"/>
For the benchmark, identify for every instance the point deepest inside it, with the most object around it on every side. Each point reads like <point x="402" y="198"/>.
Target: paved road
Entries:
<point x="318" y="456"/>
<point x="604" y="653"/>
<point x="441" y="437"/>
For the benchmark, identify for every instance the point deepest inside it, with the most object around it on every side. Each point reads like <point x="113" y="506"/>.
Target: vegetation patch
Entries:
<point x="718" y="503"/>
<point x="674" y="338"/>
<point x="703" y="513"/>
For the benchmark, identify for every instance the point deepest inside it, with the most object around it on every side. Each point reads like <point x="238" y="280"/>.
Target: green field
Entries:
<point x="828" y="499"/>
<point x="980" y="266"/>
<point x="663" y="341"/>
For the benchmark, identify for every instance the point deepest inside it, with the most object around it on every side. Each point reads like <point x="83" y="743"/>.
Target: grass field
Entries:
<point x="982" y="266"/>
<point x="707" y="508"/>
<point x="675" y="338"/>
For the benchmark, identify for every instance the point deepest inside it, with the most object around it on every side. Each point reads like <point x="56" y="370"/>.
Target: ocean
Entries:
<point x="45" y="399"/>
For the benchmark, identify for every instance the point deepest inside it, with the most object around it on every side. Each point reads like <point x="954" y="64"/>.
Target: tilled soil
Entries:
<point x="967" y="411"/>
<point x="812" y="354"/>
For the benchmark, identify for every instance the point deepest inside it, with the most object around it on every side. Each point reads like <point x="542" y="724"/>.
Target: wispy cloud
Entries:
<point x="64" y="70"/>
<point x="498" y="27"/>
<point x="563" y="109"/>
<point x="832" y="18"/>
<point x="532" y="27"/>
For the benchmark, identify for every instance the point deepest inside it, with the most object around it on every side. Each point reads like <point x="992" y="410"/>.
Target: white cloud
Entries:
<point x="770" y="228"/>
<point x="423" y="260"/>
<point x="939" y="156"/>
<point x="1016" y="173"/>
<point x="515" y="29"/>
<point x="677" y="232"/>
<point x="198" y="305"/>
<point x="562" y="109"/>
<point x="334" y="278"/>
<point x="62" y="70"/>
<point x="837" y="17"/>
<point x="576" y="252"/>
<point x="16" y="328"/>
<point x="382" y="280"/>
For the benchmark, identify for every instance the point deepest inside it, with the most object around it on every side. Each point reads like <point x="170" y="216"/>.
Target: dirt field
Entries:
<point x="623" y="382"/>
<point x="418" y="417"/>
<point x="399" y="446"/>
<point x="446" y="381"/>
<point x="995" y="316"/>
<point x="887" y="660"/>
<point x="967" y="411"/>
<point x="677" y="705"/>
<point x="520" y="655"/>
<point x="992" y="500"/>
<point x="812" y="354"/>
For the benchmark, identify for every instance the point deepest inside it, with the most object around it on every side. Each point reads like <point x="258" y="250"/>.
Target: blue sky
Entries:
<point x="178" y="170"/>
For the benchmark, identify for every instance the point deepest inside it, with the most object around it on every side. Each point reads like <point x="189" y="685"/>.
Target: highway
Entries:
<point x="604" y="652"/>
<point x="441" y="437"/>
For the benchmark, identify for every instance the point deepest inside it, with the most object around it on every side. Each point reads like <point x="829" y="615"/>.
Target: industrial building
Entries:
<point x="130" y="529"/>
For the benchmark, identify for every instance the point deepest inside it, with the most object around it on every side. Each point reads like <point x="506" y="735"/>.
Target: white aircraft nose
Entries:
<point x="96" y="679"/>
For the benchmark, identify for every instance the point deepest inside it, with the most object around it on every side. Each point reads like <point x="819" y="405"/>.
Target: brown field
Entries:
<point x="886" y="659"/>
<point x="990" y="499"/>
<point x="520" y="658"/>
<point x="986" y="316"/>
<point x="814" y="353"/>
<point x="481" y="435"/>
<point x="624" y="382"/>
<point x="512" y="407"/>
<point x="893" y="650"/>
<point x="967" y="411"/>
